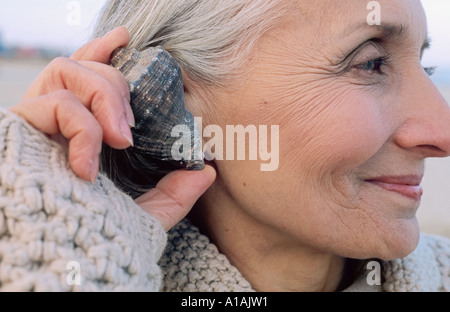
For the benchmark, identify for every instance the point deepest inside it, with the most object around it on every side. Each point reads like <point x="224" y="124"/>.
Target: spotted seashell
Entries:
<point x="157" y="100"/>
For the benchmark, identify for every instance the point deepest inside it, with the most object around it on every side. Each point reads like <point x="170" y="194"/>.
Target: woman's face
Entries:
<point x="358" y="115"/>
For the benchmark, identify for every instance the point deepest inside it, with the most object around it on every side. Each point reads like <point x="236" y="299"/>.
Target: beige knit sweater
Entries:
<point x="58" y="233"/>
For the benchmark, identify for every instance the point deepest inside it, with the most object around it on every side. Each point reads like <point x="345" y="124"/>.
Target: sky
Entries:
<point x="48" y="23"/>
<point x="51" y="23"/>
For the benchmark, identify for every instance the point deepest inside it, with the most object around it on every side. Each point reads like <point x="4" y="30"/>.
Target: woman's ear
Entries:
<point x="195" y="95"/>
<point x="198" y="101"/>
<point x="188" y="88"/>
<point x="187" y="81"/>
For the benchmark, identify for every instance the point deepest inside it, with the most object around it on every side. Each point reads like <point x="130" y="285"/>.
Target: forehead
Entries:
<point x="330" y="17"/>
<point x="324" y="23"/>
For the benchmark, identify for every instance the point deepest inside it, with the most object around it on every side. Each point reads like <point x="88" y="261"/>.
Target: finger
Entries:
<point x="116" y="78"/>
<point x="61" y="112"/>
<point x="176" y="194"/>
<point x="100" y="49"/>
<point x="96" y="93"/>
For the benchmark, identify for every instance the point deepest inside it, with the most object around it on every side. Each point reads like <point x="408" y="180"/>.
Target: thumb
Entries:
<point x="176" y="194"/>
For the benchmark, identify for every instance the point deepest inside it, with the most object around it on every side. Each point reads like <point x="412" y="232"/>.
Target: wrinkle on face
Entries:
<point x="336" y="130"/>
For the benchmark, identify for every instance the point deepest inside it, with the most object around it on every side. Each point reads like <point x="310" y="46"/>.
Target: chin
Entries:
<point x="399" y="241"/>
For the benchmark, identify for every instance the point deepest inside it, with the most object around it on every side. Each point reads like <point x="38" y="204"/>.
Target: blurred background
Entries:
<point x="34" y="32"/>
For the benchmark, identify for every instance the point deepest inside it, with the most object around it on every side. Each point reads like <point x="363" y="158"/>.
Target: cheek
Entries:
<point x="323" y="138"/>
<point x="341" y="130"/>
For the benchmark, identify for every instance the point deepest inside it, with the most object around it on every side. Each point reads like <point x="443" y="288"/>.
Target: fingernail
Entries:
<point x="109" y="32"/>
<point x="130" y="115"/>
<point x="126" y="131"/>
<point x="112" y="30"/>
<point x="93" y="169"/>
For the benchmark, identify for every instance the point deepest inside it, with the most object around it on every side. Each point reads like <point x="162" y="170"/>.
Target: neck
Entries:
<point x="268" y="258"/>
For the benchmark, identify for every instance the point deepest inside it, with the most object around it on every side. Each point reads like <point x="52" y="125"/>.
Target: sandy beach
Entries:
<point x="16" y="77"/>
<point x="434" y="215"/>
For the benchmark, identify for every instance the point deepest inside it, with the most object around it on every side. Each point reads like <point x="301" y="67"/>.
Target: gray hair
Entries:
<point x="210" y="39"/>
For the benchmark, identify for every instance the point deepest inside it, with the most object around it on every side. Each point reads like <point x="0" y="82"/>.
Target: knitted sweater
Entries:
<point x="58" y="233"/>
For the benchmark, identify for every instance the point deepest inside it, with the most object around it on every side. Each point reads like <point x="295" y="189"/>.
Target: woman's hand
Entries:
<point x="83" y="101"/>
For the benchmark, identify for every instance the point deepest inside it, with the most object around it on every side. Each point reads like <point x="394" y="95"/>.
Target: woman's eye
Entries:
<point x="375" y="65"/>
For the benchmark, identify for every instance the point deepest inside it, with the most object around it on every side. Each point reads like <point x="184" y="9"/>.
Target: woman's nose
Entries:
<point x="426" y="126"/>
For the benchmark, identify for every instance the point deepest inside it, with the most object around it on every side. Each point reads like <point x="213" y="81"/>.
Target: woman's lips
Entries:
<point x="408" y="186"/>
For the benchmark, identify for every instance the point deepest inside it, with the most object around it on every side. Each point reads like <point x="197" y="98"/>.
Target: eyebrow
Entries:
<point x="390" y="31"/>
<point x="393" y="31"/>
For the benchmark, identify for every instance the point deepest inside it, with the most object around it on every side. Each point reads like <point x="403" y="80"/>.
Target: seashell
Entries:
<point x="157" y="100"/>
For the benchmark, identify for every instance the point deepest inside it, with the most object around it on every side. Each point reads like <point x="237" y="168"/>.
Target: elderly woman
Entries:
<point x="357" y="114"/>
